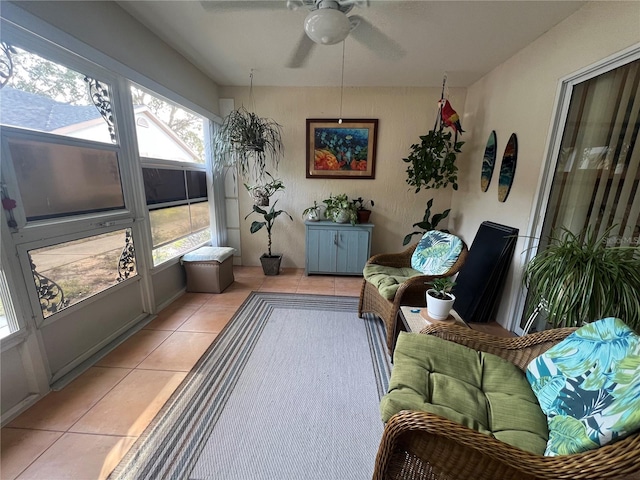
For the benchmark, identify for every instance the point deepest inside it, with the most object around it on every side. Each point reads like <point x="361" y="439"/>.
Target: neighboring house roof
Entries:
<point x="36" y="112"/>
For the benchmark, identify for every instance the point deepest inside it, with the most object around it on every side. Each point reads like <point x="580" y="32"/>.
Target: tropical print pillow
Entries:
<point x="436" y="253"/>
<point x="588" y="385"/>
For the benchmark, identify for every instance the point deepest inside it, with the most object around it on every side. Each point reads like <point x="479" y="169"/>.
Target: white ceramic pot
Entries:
<point x="439" y="309"/>
<point x="342" y="216"/>
<point x="313" y="216"/>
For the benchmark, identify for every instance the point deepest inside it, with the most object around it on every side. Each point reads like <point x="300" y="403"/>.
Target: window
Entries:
<point x="7" y="316"/>
<point x="172" y="143"/>
<point x="60" y="180"/>
<point x="48" y="97"/>
<point x="597" y="173"/>
<point x="69" y="272"/>
<point x="166" y="130"/>
<point x="178" y="211"/>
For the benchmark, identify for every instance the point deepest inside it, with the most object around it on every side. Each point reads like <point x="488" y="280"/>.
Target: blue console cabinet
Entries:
<point x="337" y="248"/>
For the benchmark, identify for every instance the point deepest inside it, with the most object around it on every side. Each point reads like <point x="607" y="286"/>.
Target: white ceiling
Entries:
<point x="410" y="43"/>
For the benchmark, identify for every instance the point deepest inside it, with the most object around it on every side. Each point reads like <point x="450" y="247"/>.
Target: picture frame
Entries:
<point x="341" y="150"/>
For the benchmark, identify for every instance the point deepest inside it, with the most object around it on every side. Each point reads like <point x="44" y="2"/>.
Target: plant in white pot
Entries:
<point x="312" y="214"/>
<point x="440" y="299"/>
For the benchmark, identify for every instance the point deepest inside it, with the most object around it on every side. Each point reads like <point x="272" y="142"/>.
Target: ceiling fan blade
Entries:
<point x="240" y="5"/>
<point x="301" y="54"/>
<point x="373" y="38"/>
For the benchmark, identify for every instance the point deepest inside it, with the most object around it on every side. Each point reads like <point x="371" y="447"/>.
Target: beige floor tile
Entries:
<point x="281" y="283"/>
<point x="179" y="352"/>
<point x="348" y="286"/>
<point x="231" y="299"/>
<point x="246" y="283"/>
<point x="59" y="410"/>
<point x="191" y="298"/>
<point x="79" y="457"/>
<point x="131" y="405"/>
<point x="242" y="272"/>
<point x="135" y="349"/>
<point x="20" y="447"/>
<point x="317" y="285"/>
<point x="209" y="319"/>
<point x="172" y="317"/>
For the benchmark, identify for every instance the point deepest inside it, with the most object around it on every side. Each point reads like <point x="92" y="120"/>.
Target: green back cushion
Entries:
<point x="478" y="390"/>
<point x="588" y="385"/>
<point x="436" y="253"/>
<point x="387" y="279"/>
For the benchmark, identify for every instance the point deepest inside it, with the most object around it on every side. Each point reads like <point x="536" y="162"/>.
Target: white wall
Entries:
<point x="519" y="96"/>
<point x="403" y="113"/>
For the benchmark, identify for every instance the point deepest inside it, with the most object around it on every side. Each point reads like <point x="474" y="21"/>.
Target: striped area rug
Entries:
<point x="288" y="390"/>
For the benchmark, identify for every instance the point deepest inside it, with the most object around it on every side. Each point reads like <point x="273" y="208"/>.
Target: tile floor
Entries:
<point x="82" y="431"/>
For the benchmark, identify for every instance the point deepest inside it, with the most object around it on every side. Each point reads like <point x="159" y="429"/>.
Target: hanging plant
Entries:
<point x="246" y="142"/>
<point x="432" y="161"/>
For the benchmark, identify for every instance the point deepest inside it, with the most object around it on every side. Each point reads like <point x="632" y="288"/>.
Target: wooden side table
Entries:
<point x="414" y="319"/>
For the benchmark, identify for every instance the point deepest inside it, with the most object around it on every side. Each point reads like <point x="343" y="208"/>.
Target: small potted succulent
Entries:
<point x="440" y="299"/>
<point x="312" y="213"/>
<point x="362" y="211"/>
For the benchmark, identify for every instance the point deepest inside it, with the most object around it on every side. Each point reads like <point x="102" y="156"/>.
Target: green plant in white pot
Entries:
<point x="581" y="278"/>
<point x="440" y="299"/>
<point x="340" y="209"/>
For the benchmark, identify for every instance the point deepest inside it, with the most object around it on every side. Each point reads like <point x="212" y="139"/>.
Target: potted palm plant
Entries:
<point x="440" y="299"/>
<point x="245" y="141"/>
<point x="581" y="278"/>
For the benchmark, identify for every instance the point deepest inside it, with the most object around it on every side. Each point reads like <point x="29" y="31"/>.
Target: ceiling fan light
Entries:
<point x="327" y="26"/>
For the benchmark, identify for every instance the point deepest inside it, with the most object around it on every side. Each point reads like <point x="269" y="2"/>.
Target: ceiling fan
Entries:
<point x="326" y="24"/>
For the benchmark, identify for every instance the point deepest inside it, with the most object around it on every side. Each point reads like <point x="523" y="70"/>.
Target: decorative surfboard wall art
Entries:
<point x="488" y="161"/>
<point x="508" y="168"/>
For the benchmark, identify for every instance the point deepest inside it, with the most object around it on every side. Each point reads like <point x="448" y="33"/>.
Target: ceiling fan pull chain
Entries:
<point x="341" y="84"/>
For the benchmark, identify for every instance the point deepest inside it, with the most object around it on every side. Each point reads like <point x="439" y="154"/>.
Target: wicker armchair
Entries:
<point x="411" y="292"/>
<point x="419" y="445"/>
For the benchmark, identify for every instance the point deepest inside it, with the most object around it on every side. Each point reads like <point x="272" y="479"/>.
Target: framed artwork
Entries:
<point x="508" y="168"/>
<point x="488" y="161"/>
<point x="341" y="150"/>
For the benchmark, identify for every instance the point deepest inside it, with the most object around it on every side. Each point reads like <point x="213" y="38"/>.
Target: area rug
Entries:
<point x="288" y="390"/>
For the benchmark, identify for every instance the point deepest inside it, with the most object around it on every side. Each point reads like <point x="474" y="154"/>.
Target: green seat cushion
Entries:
<point x="388" y="279"/>
<point x="475" y="389"/>
<point x="588" y="385"/>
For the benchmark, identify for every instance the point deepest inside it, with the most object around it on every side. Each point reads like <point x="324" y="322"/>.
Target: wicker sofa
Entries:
<point x="422" y="445"/>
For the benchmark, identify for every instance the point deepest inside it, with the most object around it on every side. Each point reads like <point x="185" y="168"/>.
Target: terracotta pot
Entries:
<point x="363" y="216"/>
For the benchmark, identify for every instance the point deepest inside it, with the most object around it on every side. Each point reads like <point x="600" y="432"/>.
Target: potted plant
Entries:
<point x="363" y="213"/>
<point x="580" y="278"/>
<point x="440" y="299"/>
<point x="262" y="192"/>
<point x="270" y="263"/>
<point x="340" y="209"/>
<point x="427" y="224"/>
<point x="245" y="141"/>
<point x="432" y="161"/>
<point x="312" y="213"/>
